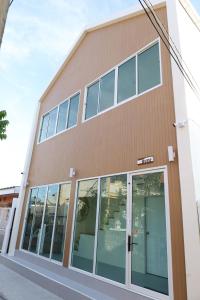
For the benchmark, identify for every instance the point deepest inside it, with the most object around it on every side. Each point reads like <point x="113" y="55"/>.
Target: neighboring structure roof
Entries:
<point x="135" y="11"/>
<point x="9" y="190"/>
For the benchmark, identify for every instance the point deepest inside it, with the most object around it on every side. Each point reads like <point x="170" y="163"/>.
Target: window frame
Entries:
<point x="58" y="116"/>
<point x="50" y="259"/>
<point x="58" y="109"/>
<point x="149" y="45"/>
<point x="137" y="74"/>
<point x="68" y="111"/>
<point x="136" y="78"/>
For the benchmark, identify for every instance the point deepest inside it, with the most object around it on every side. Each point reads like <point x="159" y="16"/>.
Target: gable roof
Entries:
<point x="136" y="11"/>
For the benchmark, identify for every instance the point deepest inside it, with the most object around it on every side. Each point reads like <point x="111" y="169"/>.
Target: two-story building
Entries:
<point x="111" y="184"/>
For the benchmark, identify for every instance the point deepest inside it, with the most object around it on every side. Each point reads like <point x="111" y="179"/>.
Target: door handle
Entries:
<point x="130" y="243"/>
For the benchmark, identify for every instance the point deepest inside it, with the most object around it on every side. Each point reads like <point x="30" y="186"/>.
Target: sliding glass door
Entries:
<point x="46" y="219"/>
<point x="47" y="229"/>
<point x="147" y="241"/>
<point x="120" y="230"/>
<point x="99" y="244"/>
<point x="39" y="208"/>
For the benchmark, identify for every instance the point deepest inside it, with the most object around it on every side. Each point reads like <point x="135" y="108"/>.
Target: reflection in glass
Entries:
<point x="45" y="244"/>
<point x="84" y="232"/>
<point x="52" y="122"/>
<point x="148" y="68"/>
<point x="107" y="84"/>
<point x="43" y="131"/>
<point x="37" y="220"/>
<point x="126" y="80"/>
<point x="92" y="100"/>
<point x="111" y="239"/>
<point x="73" y="111"/>
<point x="61" y="220"/>
<point x="29" y="219"/>
<point x="149" y="254"/>
<point x="62" y="116"/>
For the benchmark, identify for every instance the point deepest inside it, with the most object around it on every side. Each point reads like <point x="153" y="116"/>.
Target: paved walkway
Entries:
<point x="15" y="287"/>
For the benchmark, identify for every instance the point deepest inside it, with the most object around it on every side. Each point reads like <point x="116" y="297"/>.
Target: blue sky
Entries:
<point x="37" y="37"/>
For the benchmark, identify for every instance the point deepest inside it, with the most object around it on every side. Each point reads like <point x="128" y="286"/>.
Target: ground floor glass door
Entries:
<point x="120" y="230"/>
<point x="147" y="242"/>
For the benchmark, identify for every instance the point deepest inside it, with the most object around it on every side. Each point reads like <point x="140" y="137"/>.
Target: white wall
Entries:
<point x="187" y="107"/>
<point x="190" y="45"/>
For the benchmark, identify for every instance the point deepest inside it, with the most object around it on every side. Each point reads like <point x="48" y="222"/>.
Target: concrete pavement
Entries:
<point x="15" y="287"/>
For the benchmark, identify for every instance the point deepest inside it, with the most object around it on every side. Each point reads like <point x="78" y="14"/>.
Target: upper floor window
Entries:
<point x="100" y="95"/>
<point x="48" y="124"/>
<point x="126" y="85"/>
<point x="136" y="75"/>
<point x="148" y="69"/>
<point x="62" y="117"/>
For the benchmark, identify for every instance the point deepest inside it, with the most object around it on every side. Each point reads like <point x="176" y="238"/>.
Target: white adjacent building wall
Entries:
<point x="187" y="108"/>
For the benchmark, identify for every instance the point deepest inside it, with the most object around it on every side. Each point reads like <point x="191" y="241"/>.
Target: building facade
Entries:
<point x="105" y="190"/>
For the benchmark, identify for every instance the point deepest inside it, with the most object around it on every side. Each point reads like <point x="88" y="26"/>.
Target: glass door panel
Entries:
<point x="85" y="223"/>
<point x="39" y="207"/>
<point x="111" y="237"/>
<point x="148" y="234"/>
<point x="61" y="221"/>
<point x="47" y="230"/>
<point x="29" y="219"/>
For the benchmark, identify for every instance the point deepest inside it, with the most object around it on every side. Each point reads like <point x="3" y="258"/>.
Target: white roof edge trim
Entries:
<point x="129" y="14"/>
<point x="191" y="11"/>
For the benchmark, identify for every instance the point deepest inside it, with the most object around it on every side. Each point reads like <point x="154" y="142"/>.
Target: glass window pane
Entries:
<point x="37" y="220"/>
<point x="148" y="68"/>
<point x="52" y="122"/>
<point x="61" y="220"/>
<point x="73" y="111"/>
<point x="29" y="219"/>
<point x="149" y="255"/>
<point x="126" y="80"/>
<point x="62" y="116"/>
<point x="92" y="100"/>
<point x="45" y="245"/>
<point x="111" y="240"/>
<point x="85" y="222"/>
<point x="107" y="84"/>
<point x="43" y="131"/>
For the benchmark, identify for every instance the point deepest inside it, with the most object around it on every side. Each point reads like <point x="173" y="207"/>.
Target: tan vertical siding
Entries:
<point x="113" y="141"/>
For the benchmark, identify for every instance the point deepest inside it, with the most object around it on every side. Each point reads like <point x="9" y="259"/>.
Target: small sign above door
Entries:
<point x="145" y="160"/>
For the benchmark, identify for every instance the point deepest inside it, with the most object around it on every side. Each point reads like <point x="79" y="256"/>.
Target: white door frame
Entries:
<point x="141" y="290"/>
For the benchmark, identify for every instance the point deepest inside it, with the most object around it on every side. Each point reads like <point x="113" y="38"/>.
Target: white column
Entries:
<point x="23" y="185"/>
<point x="177" y="21"/>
